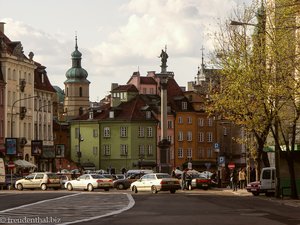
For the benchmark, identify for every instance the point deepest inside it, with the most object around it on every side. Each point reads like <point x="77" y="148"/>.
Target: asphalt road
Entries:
<point x="122" y="208"/>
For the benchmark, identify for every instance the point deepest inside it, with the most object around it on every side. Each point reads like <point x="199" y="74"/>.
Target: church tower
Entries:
<point x="76" y="87"/>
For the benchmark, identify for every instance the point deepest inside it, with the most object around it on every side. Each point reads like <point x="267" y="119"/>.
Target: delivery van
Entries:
<point x="266" y="184"/>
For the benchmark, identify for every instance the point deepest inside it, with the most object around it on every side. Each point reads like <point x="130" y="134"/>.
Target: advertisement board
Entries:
<point x="36" y="147"/>
<point x="11" y="146"/>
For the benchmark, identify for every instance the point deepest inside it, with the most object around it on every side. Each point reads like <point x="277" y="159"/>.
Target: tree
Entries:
<point x="259" y="77"/>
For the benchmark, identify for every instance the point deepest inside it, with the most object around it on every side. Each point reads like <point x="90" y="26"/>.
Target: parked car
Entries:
<point x="156" y="182"/>
<point x="10" y="180"/>
<point x="122" y="184"/>
<point x="90" y="182"/>
<point x="41" y="180"/>
<point x="200" y="181"/>
<point x="63" y="179"/>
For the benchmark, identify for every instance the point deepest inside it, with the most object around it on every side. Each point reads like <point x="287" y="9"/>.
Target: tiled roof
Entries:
<point x="38" y="84"/>
<point x="126" y="111"/>
<point x="147" y="80"/>
<point x="9" y="45"/>
<point x="127" y="88"/>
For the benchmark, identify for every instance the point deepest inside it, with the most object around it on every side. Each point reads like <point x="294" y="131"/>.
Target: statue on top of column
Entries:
<point x="164" y="56"/>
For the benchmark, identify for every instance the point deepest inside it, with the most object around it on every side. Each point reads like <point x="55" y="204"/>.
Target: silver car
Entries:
<point x="40" y="180"/>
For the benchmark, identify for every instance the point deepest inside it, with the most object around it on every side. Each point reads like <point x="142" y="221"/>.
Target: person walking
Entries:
<point x="242" y="178"/>
<point x="234" y="180"/>
<point x="183" y="180"/>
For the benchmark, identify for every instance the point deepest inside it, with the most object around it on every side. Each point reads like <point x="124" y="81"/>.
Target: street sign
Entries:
<point x="231" y="165"/>
<point x="217" y="146"/>
<point x="11" y="165"/>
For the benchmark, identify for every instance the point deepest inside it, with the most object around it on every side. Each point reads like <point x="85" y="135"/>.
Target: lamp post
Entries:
<point x="12" y="108"/>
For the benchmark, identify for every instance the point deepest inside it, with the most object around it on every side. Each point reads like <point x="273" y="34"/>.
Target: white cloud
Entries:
<point x="136" y="41"/>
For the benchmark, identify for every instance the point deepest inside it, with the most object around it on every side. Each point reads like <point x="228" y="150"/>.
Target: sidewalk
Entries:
<point x="284" y="201"/>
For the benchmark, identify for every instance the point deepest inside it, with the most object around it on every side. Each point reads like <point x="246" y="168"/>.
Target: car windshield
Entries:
<point x="160" y="176"/>
<point x="97" y="176"/>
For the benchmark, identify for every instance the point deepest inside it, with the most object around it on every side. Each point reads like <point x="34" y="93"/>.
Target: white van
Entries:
<point x="266" y="184"/>
<point x="2" y="172"/>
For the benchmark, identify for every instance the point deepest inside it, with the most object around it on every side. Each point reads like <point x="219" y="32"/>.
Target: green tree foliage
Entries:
<point x="259" y="88"/>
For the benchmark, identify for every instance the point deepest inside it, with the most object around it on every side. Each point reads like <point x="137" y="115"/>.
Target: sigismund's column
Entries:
<point x="164" y="144"/>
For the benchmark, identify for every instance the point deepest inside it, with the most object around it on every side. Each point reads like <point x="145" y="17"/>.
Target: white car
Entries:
<point x="155" y="182"/>
<point x="90" y="182"/>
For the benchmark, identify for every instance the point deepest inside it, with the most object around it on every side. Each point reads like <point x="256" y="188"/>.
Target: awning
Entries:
<point x="24" y="164"/>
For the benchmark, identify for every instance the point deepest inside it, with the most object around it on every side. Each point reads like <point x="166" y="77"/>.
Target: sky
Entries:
<point x="116" y="37"/>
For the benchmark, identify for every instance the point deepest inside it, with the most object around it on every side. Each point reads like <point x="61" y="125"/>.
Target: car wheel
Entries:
<point x="106" y="189"/>
<point x="90" y="187"/>
<point x="120" y="186"/>
<point x="134" y="189"/>
<point x="69" y="187"/>
<point x="20" y="187"/>
<point x="172" y="191"/>
<point x="255" y="193"/>
<point x="154" y="190"/>
<point x="44" y="187"/>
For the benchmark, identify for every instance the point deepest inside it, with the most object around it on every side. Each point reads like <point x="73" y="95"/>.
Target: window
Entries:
<point x="149" y="132"/>
<point x="106" y="132"/>
<point x="180" y="136"/>
<point x="151" y="91"/>
<point x="95" y="133"/>
<point x="170" y="124"/>
<point x="200" y="137"/>
<point x="106" y="150"/>
<point x="209" y="153"/>
<point x="141" y="132"/>
<point x="123" y="131"/>
<point x="141" y="150"/>
<point x="180" y="121"/>
<point x="148" y="114"/>
<point x="189" y="153"/>
<point x="170" y="139"/>
<point x="80" y="92"/>
<point x="200" y="153"/>
<point x="123" y="149"/>
<point x="200" y="122"/>
<point x="189" y="136"/>
<point x="189" y="120"/>
<point x="95" y="150"/>
<point x="150" y="150"/>
<point x="111" y="114"/>
<point x="180" y="153"/>
<point x="225" y="131"/>
<point x="209" y="137"/>
<point x="210" y="122"/>
<point x="184" y="105"/>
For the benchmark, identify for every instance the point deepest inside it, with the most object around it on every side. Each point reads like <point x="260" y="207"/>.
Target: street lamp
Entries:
<point x="12" y="108"/>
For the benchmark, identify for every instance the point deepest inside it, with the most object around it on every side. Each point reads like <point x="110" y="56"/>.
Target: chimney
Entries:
<point x="2" y="27"/>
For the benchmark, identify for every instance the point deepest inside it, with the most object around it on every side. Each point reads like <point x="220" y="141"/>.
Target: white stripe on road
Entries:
<point x="35" y="203"/>
<point x="129" y="206"/>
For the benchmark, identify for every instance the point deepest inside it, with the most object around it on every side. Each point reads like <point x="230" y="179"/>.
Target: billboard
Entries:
<point x="60" y="151"/>
<point x="36" y="147"/>
<point x="11" y="146"/>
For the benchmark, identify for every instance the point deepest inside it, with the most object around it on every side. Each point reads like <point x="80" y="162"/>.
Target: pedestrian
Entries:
<point x="234" y="180"/>
<point x="183" y="180"/>
<point x="242" y="178"/>
<point x="189" y="181"/>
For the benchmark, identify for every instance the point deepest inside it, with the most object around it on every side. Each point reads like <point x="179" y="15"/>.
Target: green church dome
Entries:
<point x="76" y="72"/>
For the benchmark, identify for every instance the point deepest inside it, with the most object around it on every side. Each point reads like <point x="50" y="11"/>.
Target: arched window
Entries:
<point x="80" y="92"/>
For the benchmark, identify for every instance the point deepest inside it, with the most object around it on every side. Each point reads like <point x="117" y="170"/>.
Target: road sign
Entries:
<point x="11" y="165"/>
<point x="231" y="165"/>
<point x="217" y="146"/>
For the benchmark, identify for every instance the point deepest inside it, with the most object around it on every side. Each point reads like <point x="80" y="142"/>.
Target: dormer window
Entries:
<point x="148" y="114"/>
<point x="111" y="114"/>
<point x="43" y="78"/>
<point x="184" y="105"/>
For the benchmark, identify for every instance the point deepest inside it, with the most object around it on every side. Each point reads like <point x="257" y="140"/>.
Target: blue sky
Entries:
<point x="116" y="37"/>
